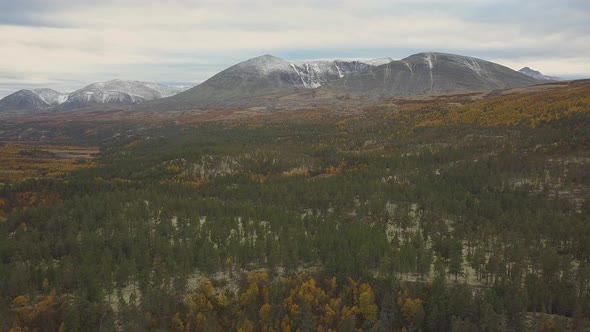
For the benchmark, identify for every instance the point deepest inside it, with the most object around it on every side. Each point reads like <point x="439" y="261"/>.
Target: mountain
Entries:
<point x="259" y="79"/>
<point x="32" y="100"/>
<point x="426" y="74"/>
<point x="117" y="92"/>
<point x="537" y="74"/>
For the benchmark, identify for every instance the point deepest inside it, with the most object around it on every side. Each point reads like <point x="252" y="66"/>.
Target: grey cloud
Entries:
<point x="28" y="12"/>
<point x="537" y="17"/>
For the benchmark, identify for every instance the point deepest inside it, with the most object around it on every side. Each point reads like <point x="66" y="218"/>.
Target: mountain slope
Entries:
<point x="117" y="92"/>
<point x="427" y="74"/>
<point x="537" y="74"/>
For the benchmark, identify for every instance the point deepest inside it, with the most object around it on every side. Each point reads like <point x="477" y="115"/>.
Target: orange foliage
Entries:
<point x="307" y="300"/>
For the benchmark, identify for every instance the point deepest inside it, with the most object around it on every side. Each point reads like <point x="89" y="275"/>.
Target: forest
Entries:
<point x="429" y="216"/>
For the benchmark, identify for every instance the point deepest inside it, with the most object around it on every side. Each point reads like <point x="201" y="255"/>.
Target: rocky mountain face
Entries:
<point x="427" y="74"/>
<point x="537" y="74"/>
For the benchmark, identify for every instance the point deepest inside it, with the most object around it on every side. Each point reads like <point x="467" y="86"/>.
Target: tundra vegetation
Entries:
<point x="446" y="214"/>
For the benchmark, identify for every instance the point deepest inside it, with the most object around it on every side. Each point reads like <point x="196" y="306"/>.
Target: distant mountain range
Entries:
<point x="269" y="79"/>
<point x="114" y="92"/>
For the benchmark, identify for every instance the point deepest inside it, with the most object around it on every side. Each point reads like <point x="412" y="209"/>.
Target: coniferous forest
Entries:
<point x="424" y="217"/>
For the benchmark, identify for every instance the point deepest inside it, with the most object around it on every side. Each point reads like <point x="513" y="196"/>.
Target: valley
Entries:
<point x="430" y="212"/>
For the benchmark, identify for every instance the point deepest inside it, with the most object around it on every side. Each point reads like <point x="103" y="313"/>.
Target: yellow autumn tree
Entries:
<point x="410" y="308"/>
<point x="367" y="307"/>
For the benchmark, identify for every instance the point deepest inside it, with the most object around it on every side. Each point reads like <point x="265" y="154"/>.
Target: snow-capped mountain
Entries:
<point x="427" y="74"/>
<point x="537" y="74"/>
<point x="118" y="92"/>
<point x="32" y="100"/>
<point x="262" y="77"/>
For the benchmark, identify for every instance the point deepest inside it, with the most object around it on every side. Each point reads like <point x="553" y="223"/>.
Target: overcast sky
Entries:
<point x="64" y="44"/>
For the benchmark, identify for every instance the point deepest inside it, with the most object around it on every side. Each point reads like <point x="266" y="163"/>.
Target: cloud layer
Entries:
<point x="65" y="45"/>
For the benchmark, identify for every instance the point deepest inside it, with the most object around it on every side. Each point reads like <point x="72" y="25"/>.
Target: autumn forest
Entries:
<point x="457" y="213"/>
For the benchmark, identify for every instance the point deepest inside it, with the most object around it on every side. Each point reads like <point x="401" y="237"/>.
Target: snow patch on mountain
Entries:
<point x="428" y="59"/>
<point x="472" y="64"/>
<point x="314" y="73"/>
<point x="50" y="97"/>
